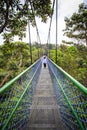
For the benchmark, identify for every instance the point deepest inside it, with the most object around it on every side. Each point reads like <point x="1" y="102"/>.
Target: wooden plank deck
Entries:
<point x="44" y="113"/>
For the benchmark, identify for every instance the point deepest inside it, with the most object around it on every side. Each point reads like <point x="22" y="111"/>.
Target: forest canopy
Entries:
<point x="76" y="26"/>
<point x="15" y="56"/>
<point x="15" y="13"/>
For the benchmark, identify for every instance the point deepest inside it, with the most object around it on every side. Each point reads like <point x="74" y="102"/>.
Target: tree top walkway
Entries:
<point x="43" y="98"/>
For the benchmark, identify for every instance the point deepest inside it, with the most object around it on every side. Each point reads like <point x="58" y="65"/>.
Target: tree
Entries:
<point x="14" y="13"/>
<point x="7" y="37"/>
<point x="76" y="25"/>
<point x="14" y="58"/>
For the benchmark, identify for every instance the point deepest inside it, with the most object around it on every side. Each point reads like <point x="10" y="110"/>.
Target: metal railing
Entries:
<point x="71" y="98"/>
<point x="16" y="99"/>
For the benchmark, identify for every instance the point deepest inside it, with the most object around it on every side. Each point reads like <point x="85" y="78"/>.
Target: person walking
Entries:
<point x="44" y="61"/>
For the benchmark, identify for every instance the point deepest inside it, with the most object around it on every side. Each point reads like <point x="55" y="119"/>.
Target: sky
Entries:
<point x="65" y="9"/>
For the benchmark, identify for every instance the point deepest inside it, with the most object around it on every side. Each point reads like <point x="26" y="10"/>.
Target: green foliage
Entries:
<point x="14" y="15"/>
<point x="73" y="59"/>
<point x="14" y="58"/>
<point x="76" y="25"/>
<point x="12" y="65"/>
<point x="11" y="59"/>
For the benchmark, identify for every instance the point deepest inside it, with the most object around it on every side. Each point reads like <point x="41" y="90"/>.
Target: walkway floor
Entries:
<point x="44" y="114"/>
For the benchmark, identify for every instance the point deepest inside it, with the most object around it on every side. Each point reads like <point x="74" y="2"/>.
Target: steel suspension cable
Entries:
<point x="50" y="21"/>
<point x="30" y="40"/>
<point x="26" y="2"/>
<point x="48" y="39"/>
<point x="38" y="36"/>
<point x="56" y="28"/>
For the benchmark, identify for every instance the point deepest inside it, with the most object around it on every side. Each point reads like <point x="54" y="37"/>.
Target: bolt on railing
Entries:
<point x="71" y="98"/>
<point x="16" y="99"/>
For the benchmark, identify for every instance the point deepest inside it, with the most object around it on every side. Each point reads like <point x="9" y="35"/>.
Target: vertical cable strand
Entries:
<point x="56" y="27"/>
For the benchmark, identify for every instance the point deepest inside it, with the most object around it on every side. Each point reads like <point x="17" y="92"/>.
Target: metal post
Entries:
<point x="26" y="1"/>
<point x="30" y="40"/>
<point x="56" y="26"/>
<point x="48" y="40"/>
<point x="38" y="46"/>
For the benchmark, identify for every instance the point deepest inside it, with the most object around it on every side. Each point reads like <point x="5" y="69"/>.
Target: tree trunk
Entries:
<point x="86" y="41"/>
<point x="5" y="17"/>
<point x="4" y="80"/>
<point x="21" y="61"/>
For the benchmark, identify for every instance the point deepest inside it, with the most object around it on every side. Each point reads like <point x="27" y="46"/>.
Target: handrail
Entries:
<point x="20" y="98"/>
<point x="68" y="101"/>
<point x="8" y="84"/>
<point x="16" y="98"/>
<point x="77" y="83"/>
<point x="71" y="98"/>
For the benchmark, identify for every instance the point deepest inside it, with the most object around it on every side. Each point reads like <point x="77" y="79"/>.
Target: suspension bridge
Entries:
<point x="42" y="99"/>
